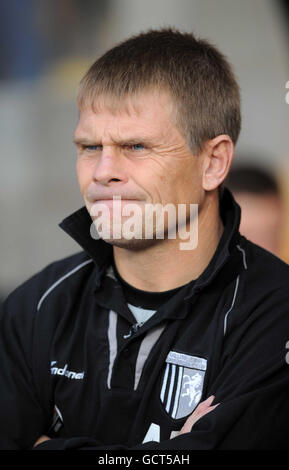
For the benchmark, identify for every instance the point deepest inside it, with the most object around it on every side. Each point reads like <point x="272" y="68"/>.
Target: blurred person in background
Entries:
<point x="262" y="208"/>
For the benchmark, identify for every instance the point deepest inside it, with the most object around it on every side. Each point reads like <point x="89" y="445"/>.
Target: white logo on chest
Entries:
<point x="182" y="383"/>
<point x="65" y="372"/>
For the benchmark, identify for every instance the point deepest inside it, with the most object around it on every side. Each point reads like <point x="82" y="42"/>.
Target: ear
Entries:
<point x="219" y="153"/>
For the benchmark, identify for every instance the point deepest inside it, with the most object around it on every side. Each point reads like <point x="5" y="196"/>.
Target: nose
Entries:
<point x="108" y="167"/>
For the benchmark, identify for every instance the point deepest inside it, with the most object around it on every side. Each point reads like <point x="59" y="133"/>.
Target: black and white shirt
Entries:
<point x="73" y="365"/>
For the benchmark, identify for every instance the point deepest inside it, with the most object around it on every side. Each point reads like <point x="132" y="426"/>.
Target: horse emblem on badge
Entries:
<point x="182" y="384"/>
<point x="194" y="387"/>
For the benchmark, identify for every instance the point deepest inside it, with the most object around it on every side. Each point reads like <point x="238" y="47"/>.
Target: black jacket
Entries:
<point x="67" y="341"/>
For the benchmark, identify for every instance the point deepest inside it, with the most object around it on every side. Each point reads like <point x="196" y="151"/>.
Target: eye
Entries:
<point x="137" y="147"/>
<point x="134" y="147"/>
<point x="91" y="148"/>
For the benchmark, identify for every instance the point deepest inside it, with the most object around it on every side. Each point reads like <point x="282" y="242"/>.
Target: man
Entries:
<point x="123" y="340"/>
<point x="258" y="194"/>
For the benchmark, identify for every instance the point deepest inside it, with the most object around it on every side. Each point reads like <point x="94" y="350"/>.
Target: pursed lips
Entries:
<point x="114" y="203"/>
<point x="115" y="198"/>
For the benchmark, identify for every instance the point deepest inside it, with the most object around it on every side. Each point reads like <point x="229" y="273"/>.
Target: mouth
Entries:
<point x="114" y="199"/>
<point x="115" y="203"/>
<point x="119" y="199"/>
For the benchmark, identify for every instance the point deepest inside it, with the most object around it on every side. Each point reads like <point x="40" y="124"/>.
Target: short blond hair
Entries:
<point x="197" y="76"/>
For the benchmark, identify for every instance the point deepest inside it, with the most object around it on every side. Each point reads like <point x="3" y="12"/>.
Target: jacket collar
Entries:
<point x="230" y="213"/>
<point x="78" y="226"/>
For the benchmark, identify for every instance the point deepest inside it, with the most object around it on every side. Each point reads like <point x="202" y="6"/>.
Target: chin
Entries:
<point x="133" y="244"/>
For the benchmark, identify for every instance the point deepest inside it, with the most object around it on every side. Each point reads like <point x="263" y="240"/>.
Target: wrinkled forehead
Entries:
<point x="147" y="117"/>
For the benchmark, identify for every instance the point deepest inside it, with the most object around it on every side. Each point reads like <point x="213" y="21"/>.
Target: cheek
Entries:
<point x="84" y="171"/>
<point x="174" y="183"/>
<point x="186" y="182"/>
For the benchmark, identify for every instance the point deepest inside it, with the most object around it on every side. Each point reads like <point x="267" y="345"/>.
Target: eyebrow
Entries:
<point x="83" y="141"/>
<point x="120" y="142"/>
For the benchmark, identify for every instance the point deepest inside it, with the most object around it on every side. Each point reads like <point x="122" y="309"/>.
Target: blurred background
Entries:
<point x="46" y="47"/>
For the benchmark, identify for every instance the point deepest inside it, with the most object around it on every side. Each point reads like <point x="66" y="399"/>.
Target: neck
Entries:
<point x="164" y="266"/>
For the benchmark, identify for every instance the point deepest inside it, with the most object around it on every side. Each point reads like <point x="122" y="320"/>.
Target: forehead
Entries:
<point x="152" y="111"/>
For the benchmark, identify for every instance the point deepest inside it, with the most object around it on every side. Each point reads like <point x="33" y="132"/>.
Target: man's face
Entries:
<point x="135" y="151"/>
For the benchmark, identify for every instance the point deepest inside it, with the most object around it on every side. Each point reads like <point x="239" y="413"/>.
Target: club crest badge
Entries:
<point x="182" y="384"/>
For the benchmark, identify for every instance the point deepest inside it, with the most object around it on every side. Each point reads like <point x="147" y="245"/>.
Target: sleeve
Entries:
<point x="252" y="387"/>
<point x="22" y="417"/>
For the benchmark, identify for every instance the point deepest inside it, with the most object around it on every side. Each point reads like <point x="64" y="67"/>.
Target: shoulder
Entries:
<point x="260" y="296"/>
<point x="30" y="295"/>
<point x="262" y="268"/>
